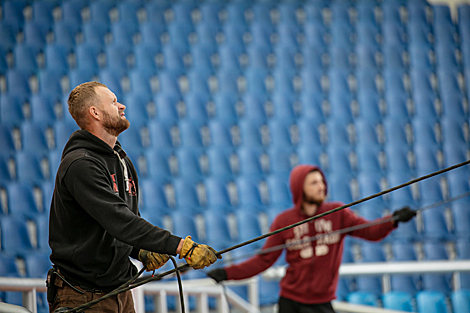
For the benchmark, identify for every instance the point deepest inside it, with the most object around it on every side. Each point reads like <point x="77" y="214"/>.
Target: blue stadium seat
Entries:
<point x="87" y="57"/>
<point x="461" y="301"/>
<point x="421" y="81"/>
<point x="366" y="12"/>
<point x="95" y="33"/>
<point x="249" y="195"/>
<point x="123" y="33"/>
<point x="50" y="81"/>
<point x="313" y="57"/>
<point x="393" y="56"/>
<point x="99" y="10"/>
<point x="190" y="133"/>
<point x="342" y="289"/>
<point x="367" y="31"/>
<point x="396" y="105"/>
<point x="117" y="54"/>
<point x="424" y="105"/>
<point x="138" y="110"/>
<point x="32" y="166"/>
<point x="255" y="80"/>
<point x="184" y="224"/>
<point x="457" y="182"/>
<point x="156" y="10"/>
<point x="166" y="104"/>
<point x="420" y="57"/>
<point x="340" y="56"/>
<point x="225" y="107"/>
<point x="363" y="297"/>
<point x="426" y="159"/>
<point x="189" y="163"/>
<point x="168" y="82"/>
<point x="309" y="135"/>
<point x="15" y="237"/>
<point x="311" y="104"/>
<point x="250" y="132"/>
<point x="56" y="58"/>
<point x="249" y="160"/>
<point x="279" y="192"/>
<point x="152" y="31"/>
<point x="220" y="162"/>
<point x="282" y="159"/>
<point x="112" y="79"/>
<point x="21" y="201"/>
<point x="34" y="137"/>
<point x="230" y="55"/>
<point x="11" y="108"/>
<point x="179" y="33"/>
<point x="424" y="131"/>
<point x="312" y="80"/>
<point x="431" y="302"/>
<point x="404" y="251"/>
<point x="132" y="139"/>
<point x="160" y="136"/>
<point x="367" y="80"/>
<point x="13" y="12"/>
<point x="339" y="187"/>
<point x="37" y="265"/>
<point x="248" y="227"/>
<point x="398" y="158"/>
<point x="366" y="56"/>
<point x="366" y="133"/>
<point x="308" y="154"/>
<point x="6" y="138"/>
<point x="280" y="132"/>
<point x="315" y="31"/>
<point x="65" y="31"/>
<point x="153" y="197"/>
<point x="210" y="12"/>
<point x="35" y="34"/>
<point x="398" y="300"/>
<point x="393" y="33"/>
<point x="72" y="11"/>
<point x="220" y="132"/>
<point x="158" y="164"/>
<point x="217" y="230"/>
<point x="368" y="159"/>
<point x="420" y="33"/>
<point x="461" y="218"/>
<point x="340" y="106"/>
<point x="217" y="194"/>
<point x="338" y="133"/>
<point x="285" y="79"/>
<point x="186" y="195"/>
<point x="394" y="81"/>
<point x="7" y="33"/>
<point x="261" y="32"/>
<point x="453" y="132"/>
<point x="203" y="54"/>
<point x="196" y="104"/>
<point x="258" y="55"/>
<point x="145" y="55"/>
<point x="25" y="58"/>
<point x="436" y="282"/>
<point x="63" y="129"/>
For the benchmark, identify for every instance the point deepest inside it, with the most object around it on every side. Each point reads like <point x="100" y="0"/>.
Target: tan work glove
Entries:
<point x="196" y="255"/>
<point x="152" y="260"/>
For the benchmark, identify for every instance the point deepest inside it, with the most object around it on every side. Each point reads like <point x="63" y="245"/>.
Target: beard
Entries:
<point x="114" y="126"/>
<point x="311" y="200"/>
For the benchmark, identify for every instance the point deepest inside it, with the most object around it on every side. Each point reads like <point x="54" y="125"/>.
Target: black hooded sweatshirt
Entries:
<point x="95" y="223"/>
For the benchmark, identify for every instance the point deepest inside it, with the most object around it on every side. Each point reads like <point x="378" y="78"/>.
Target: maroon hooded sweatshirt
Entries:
<point x="312" y="274"/>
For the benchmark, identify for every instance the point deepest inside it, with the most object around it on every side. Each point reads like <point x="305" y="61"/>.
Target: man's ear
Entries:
<point x="95" y="113"/>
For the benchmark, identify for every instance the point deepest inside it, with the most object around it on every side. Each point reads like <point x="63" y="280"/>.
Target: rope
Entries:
<point x="143" y="281"/>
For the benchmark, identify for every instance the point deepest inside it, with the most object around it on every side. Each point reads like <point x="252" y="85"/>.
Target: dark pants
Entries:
<point x="290" y="306"/>
<point x="67" y="297"/>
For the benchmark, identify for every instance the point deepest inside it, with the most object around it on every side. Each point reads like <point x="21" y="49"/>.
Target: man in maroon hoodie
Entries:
<point x="312" y="275"/>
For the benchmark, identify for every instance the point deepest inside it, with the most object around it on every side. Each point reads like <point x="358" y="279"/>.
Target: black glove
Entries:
<point x="219" y="274"/>
<point x="403" y="215"/>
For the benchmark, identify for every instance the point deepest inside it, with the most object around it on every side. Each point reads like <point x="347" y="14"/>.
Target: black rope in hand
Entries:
<point x="143" y="281"/>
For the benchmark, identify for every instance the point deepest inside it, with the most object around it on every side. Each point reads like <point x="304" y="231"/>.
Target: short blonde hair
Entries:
<point x="80" y="99"/>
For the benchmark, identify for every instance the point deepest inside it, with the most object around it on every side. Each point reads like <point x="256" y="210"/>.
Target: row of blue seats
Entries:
<point x="243" y="12"/>
<point x="147" y="58"/>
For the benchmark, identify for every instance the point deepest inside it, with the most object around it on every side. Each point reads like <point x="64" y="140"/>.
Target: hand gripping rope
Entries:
<point x="136" y="282"/>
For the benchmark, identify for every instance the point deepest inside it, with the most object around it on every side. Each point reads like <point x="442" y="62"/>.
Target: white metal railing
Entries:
<point x="202" y="289"/>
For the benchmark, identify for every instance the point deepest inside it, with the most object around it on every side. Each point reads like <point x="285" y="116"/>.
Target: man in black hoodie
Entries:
<point x="95" y="225"/>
